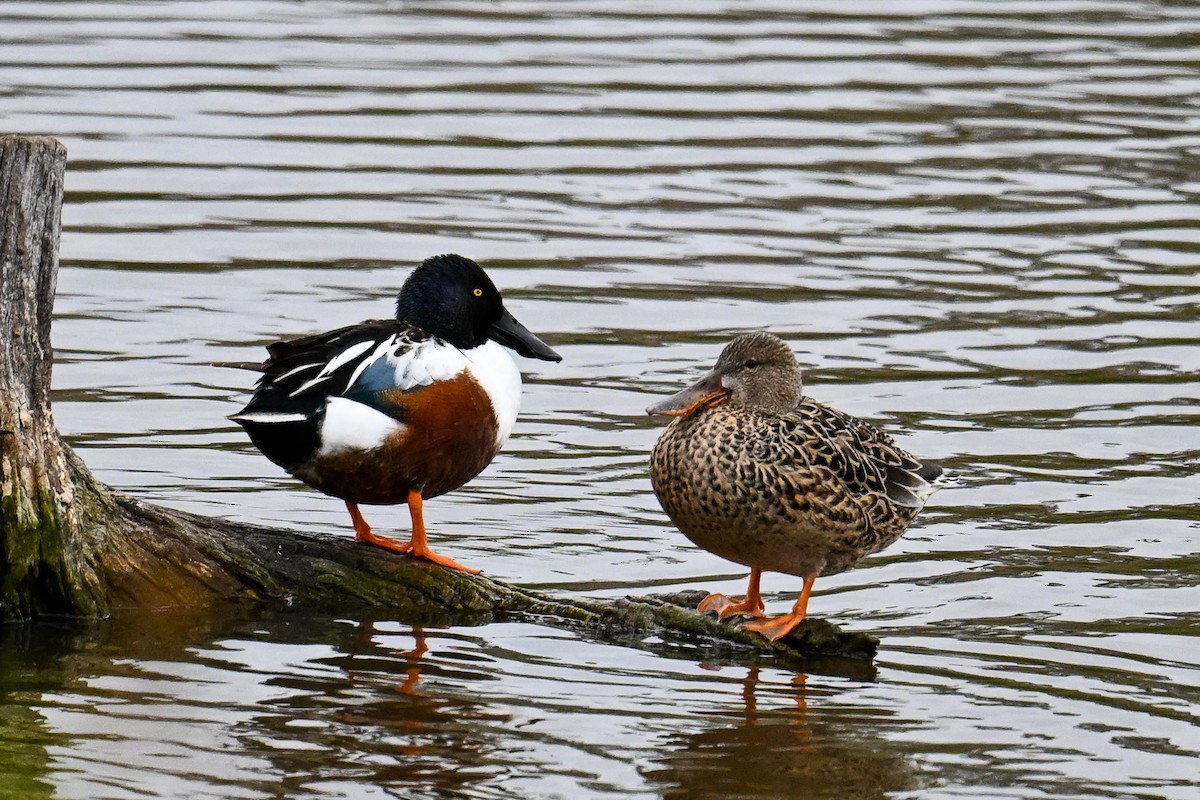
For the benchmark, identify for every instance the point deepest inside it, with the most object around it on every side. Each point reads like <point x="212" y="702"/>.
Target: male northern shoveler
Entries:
<point x="755" y="472"/>
<point x="399" y="410"/>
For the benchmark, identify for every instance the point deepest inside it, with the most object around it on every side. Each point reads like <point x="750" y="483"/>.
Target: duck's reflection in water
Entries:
<point x="784" y="750"/>
<point x="412" y="660"/>
<point x="374" y="725"/>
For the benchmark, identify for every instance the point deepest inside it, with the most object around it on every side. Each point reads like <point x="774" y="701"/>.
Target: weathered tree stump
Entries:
<point x="72" y="546"/>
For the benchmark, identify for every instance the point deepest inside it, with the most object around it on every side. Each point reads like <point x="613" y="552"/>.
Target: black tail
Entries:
<point x="253" y="366"/>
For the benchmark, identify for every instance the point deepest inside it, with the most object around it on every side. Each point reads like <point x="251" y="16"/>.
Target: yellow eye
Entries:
<point x="478" y="292"/>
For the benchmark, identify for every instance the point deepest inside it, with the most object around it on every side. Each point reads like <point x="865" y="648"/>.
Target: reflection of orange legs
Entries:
<point x="413" y="659"/>
<point x="778" y="627"/>
<point x="725" y="607"/>
<point x="416" y="547"/>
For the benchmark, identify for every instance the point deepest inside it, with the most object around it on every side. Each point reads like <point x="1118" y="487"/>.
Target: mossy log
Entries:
<point x="71" y="546"/>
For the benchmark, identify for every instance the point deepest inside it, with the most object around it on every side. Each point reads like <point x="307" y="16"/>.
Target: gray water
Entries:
<point x="975" y="222"/>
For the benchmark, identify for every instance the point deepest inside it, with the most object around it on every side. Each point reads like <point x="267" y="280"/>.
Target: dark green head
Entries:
<point x="452" y="298"/>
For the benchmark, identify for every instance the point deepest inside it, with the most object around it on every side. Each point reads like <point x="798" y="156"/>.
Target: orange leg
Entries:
<point x="363" y="533"/>
<point x="413" y="659"/>
<point x="726" y="607"/>
<point x="778" y="627"/>
<point x="417" y="547"/>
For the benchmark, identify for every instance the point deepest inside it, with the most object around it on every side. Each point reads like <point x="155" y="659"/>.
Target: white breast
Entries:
<point x="493" y="367"/>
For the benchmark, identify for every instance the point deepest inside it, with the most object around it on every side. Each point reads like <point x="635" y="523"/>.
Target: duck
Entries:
<point x="753" y="471"/>
<point x="399" y="410"/>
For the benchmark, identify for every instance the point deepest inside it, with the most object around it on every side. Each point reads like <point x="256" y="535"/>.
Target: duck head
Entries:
<point x="756" y="371"/>
<point x="452" y="298"/>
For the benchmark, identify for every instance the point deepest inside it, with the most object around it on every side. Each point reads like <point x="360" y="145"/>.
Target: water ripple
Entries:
<point x="974" y="222"/>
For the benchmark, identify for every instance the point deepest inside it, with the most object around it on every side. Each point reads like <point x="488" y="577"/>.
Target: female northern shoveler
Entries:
<point x="399" y="410"/>
<point x="755" y="472"/>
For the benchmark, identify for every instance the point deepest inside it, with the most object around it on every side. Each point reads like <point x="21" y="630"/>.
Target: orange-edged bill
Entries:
<point x="704" y="393"/>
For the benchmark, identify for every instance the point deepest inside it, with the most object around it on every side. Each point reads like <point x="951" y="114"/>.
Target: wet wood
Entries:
<point x="71" y="546"/>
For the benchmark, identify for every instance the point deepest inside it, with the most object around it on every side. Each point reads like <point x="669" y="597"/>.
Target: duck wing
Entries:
<point x="865" y="461"/>
<point x="364" y="363"/>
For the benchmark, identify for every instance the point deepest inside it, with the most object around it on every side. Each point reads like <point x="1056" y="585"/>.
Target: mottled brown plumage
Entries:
<point x="755" y="472"/>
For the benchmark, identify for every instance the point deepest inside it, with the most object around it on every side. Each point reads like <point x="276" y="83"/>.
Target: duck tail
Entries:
<point x="253" y="366"/>
<point x="935" y="477"/>
<point x="910" y="484"/>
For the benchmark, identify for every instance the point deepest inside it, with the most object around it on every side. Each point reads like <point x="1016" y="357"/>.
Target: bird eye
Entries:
<point x="751" y="364"/>
<point x="478" y="292"/>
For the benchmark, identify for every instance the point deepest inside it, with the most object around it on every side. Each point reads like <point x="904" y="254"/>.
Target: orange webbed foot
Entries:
<point x="416" y="551"/>
<point x="416" y="547"/>
<point x="385" y="542"/>
<point x="413" y="550"/>
<point x="777" y="627"/>
<point x="726" y="607"/>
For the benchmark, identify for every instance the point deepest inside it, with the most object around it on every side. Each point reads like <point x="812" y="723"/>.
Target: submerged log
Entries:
<point x="70" y="545"/>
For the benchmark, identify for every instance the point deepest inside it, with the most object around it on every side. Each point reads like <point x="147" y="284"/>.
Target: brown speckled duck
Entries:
<point x="755" y="472"/>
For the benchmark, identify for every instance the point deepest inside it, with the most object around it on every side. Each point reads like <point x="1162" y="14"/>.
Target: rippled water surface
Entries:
<point x="975" y="222"/>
